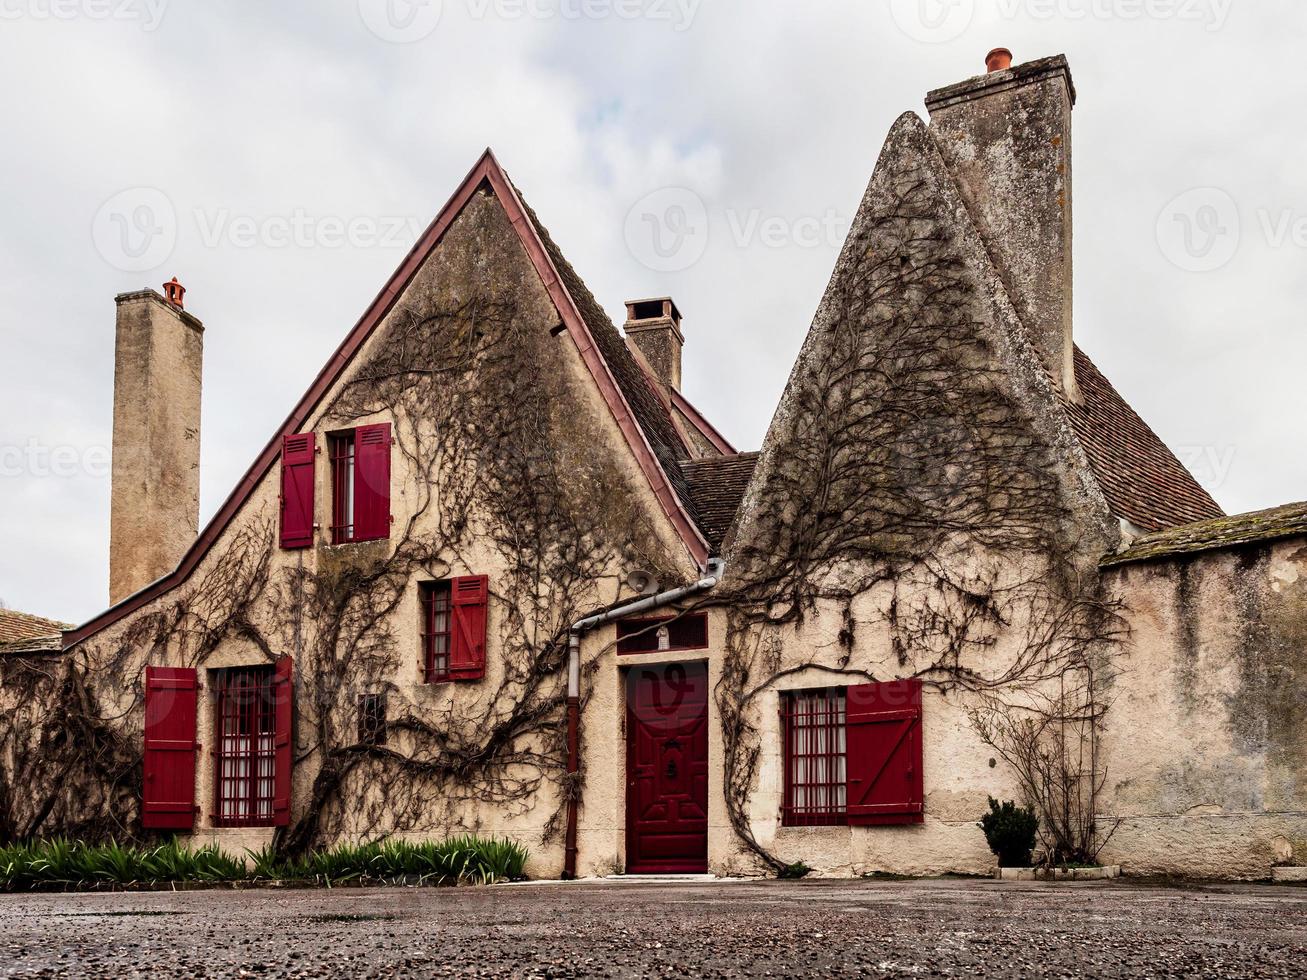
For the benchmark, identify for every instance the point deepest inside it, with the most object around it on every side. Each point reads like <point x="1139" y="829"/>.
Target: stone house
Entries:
<point x="495" y="573"/>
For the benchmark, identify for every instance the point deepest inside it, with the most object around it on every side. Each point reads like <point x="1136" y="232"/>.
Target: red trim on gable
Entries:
<point x="486" y="170"/>
<point x="704" y="427"/>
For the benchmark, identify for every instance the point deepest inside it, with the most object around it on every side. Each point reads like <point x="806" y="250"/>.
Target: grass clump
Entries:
<point x="64" y="864"/>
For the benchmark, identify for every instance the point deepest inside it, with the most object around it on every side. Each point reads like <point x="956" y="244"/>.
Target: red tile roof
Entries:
<point x="16" y="626"/>
<point x="717" y="485"/>
<point x="1140" y="477"/>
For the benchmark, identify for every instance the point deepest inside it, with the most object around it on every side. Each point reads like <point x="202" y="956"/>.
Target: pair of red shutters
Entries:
<point x="883" y="742"/>
<point x="171" y="746"/>
<point x="371" y="517"/>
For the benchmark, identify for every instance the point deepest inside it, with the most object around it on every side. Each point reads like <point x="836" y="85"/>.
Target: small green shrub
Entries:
<point x="792" y="872"/>
<point x="1010" y="831"/>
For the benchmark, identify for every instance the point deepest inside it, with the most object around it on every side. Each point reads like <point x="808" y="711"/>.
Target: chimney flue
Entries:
<point x="155" y="493"/>
<point x="1000" y="59"/>
<point x="1006" y="138"/>
<point x="653" y="328"/>
<point x="175" y="293"/>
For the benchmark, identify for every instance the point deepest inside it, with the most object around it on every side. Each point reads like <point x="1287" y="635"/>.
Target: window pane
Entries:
<point x="815" y="758"/>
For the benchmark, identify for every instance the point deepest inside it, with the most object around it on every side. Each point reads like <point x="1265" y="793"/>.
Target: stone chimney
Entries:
<point x="654" y="327"/>
<point x="1006" y="137"/>
<point x="155" y="508"/>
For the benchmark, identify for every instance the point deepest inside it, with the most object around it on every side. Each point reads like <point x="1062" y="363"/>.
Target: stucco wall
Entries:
<point x="1206" y="740"/>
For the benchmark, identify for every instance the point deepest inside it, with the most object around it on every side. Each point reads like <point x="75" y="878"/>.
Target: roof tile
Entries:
<point x="1140" y="477"/>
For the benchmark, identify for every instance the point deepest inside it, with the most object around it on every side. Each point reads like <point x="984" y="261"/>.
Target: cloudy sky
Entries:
<point x="281" y="158"/>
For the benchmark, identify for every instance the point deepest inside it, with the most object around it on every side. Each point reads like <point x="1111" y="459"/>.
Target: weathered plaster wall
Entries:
<point x="1206" y="740"/>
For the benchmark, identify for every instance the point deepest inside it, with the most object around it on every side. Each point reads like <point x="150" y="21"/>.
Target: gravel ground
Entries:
<point x="809" y="928"/>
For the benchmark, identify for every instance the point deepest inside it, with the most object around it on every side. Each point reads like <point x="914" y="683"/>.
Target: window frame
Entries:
<point x="256" y="805"/>
<point x="428" y="594"/>
<point x="816" y="718"/>
<point x="342" y="456"/>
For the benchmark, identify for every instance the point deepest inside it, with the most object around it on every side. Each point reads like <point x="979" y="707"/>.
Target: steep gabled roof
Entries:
<point x="1141" y="478"/>
<point x="646" y="429"/>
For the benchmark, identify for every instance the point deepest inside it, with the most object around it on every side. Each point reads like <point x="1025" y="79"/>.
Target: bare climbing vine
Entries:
<point x="500" y="474"/>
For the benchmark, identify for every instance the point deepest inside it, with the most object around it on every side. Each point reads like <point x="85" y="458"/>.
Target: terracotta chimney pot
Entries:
<point x="175" y="293"/>
<point x="1000" y="59"/>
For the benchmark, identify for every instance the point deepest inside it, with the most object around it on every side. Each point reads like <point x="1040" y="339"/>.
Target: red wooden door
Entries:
<point x="667" y="769"/>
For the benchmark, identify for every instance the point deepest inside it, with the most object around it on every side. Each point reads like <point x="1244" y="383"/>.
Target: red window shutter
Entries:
<point x="283" y="695"/>
<point x="298" y="454"/>
<point x="884" y="754"/>
<point x="372" y="482"/>
<point x="168" y="799"/>
<point x="467" y="641"/>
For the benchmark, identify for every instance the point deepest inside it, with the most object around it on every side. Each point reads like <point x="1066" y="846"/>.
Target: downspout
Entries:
<point x="716" y="568"/>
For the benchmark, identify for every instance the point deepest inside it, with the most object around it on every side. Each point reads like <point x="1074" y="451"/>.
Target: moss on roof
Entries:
<point x="1219" y="533"/>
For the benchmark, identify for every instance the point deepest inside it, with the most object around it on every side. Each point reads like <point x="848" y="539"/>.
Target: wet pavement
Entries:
<point x="720" y="929"/>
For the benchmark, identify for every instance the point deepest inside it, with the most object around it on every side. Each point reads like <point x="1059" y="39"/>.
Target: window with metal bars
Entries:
<point x="372" y="719"/>
<point x="245" y="754"/>
<point x="816" y="759"/>
<point x="437" y="619"/>
<point x="340" y="448"/>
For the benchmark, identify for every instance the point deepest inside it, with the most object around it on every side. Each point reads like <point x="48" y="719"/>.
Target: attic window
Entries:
<point x="650" y="310"/>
